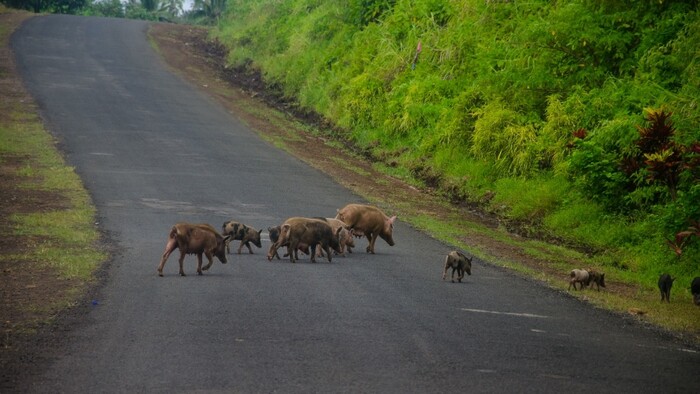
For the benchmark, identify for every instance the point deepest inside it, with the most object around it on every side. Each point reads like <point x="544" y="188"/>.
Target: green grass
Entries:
<point x="60" y="234"/>
<point x="71" y="245"/>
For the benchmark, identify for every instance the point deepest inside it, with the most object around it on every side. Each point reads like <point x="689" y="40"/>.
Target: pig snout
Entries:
<point x="389" y="239"/>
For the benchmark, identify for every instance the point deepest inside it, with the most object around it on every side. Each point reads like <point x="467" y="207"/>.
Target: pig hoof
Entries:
<point x="182" y="274"/>
<point x="199" y="272"/>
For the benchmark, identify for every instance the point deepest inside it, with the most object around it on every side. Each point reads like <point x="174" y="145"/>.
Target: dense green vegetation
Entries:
<point x="577" y="119"/>
<point x="202" y="11"/>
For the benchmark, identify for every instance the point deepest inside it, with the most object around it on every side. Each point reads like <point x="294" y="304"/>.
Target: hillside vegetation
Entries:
<point x="576" y="120"/>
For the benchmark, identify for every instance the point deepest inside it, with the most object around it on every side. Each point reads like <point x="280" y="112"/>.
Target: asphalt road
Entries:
<point x="152" y="151"/>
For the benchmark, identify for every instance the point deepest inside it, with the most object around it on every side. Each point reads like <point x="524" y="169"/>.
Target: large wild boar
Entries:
<point x="194" y="239"/>
<point x="369" y="221"/>
<point x="243" y="233"/>
<point x="297" y="232"/>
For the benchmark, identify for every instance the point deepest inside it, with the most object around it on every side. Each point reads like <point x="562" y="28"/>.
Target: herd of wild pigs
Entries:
<point x="324" y="237"/>
<point x="583" y="278"/>
<point x="318" y="236"/>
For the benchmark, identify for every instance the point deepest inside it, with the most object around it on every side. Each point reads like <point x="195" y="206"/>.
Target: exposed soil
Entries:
<point x="28" y="328"/>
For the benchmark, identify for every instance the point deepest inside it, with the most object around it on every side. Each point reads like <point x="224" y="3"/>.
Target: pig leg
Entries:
<point x="228" y="249"/>
<point x="199" y="264"/>
<point x="372" y="238"/>
<point x="181" y="261"/>
<point x="327" y="247"/>
<point x="273" y="252"/>
<point x="313" y="252"/>
<point x="460" y="274"/>
<point x="169" y="248"/>
<point x="447" y="266"/>
<point x="292" y="251"/>
<point x="210" y="257"/>
<point x="247" y="244"/>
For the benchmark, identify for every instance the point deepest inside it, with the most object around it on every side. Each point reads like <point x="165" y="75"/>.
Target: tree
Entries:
<point x="213" y="9"/>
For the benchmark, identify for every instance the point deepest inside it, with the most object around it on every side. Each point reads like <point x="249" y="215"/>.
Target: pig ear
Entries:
<point x="260" y="232"/>
<point x="226" y="238"/>
<point x="392" y="219"/>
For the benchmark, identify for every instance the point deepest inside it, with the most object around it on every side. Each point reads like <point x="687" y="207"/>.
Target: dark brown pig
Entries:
<point x="665" y="284"/>
<point x="274" y="237"/>
<point x="345" y="235"/>
<point x="297" y="232"/>
<point x="369" y="221"/>
<point x="243" y="233"/>
<point x="695" y="290"/>
<point x="194" y="239"/>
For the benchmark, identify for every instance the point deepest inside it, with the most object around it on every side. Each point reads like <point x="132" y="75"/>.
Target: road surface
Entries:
<point x="152" y="151"/>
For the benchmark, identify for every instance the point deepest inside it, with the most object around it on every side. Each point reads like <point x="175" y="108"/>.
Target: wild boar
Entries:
<point x="665" y="284"/>
<point x="596" y="277"/>
<point x="369" y="221"/>
<point x="194" y="239"/>
<point x="243" y="233"/>
<point x="274" y="233"/>
<point x="579" y="276"/>
<point x="695" y="290"/>
<point x="345" y="236"/>
<point x="458" y="262"/>
<point x="299" y="232"/>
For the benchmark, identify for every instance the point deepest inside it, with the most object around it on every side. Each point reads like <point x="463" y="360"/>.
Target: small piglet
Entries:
<point x="596" y="277"/>
<point x="458" y="262"/>
<point x="665" y="284"/>
<point x="243" y="233"/>
<point x="695" y="290"/>
<point x="579" y="276"/>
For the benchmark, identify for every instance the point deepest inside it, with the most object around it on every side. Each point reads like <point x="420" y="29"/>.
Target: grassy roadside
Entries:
<point x="50" y="244"/>
<point x="482" y="235"/>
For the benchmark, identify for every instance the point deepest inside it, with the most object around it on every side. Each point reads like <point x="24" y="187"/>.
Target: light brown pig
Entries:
<point x="194" y="239"/>
<point x="370" y="221"/>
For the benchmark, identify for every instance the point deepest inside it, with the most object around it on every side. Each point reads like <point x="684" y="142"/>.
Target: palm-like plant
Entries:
<point x="211" y="8"/>
<point x="171" y="7"/>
